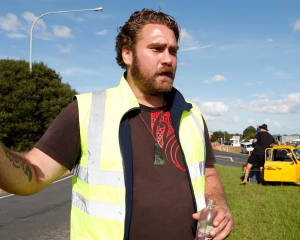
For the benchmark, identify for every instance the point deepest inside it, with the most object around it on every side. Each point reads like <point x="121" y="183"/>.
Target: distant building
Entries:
<point x="287" y="138"/>
<point x="235" y="141"/>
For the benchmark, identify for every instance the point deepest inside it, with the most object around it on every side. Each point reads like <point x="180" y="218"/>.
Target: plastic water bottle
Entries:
<point x="205" y="222"/>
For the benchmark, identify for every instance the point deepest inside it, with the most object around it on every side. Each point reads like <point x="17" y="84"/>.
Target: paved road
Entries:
<point x="231" y="159"/>
<point x="44" y="215"/>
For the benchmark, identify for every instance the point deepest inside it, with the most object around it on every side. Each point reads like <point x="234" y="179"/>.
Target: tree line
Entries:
<point x="248" y="133"/>
<point x="29" y="102"/>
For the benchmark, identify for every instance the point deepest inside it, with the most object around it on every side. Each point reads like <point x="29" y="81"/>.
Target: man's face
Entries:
<point x="154" y="61"/>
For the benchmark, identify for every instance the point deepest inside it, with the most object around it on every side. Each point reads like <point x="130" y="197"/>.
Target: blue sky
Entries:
<point x="239" y="61"/>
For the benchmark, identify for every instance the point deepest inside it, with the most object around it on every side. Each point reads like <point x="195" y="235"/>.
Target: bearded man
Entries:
<point x="142" y="159"/>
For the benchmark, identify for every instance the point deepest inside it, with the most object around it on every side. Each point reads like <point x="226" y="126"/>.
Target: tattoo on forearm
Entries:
<point x="19" y="162"/>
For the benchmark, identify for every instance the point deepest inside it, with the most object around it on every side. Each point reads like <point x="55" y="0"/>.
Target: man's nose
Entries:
<point x="166" y="58"/>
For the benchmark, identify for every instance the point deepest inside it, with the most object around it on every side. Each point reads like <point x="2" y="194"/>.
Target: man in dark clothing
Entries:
<point x="262" y="140"/>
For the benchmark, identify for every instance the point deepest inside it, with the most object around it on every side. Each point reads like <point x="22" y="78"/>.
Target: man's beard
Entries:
<point x="151" y="84"/>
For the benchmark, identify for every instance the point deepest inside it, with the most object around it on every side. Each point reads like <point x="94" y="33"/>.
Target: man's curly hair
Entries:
<point x="128" y="34"/>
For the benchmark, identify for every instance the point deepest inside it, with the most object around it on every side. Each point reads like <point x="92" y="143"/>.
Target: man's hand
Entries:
<point x="223" y="223"/>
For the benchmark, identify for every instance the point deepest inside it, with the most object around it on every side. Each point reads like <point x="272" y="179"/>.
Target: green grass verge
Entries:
<point x="265" y="212"/>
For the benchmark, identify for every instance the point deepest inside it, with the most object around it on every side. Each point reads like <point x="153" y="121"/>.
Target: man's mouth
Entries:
<point x="166" y="74"/>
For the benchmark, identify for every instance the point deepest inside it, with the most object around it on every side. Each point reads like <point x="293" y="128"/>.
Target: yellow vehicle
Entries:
<point x="282" y="164"/>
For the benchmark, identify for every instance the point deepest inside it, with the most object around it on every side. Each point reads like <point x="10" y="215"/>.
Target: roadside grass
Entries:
<point x="267" y="212"/>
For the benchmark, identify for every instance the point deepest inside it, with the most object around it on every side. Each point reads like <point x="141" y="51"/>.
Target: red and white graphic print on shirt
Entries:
<point x="165" y="135"/>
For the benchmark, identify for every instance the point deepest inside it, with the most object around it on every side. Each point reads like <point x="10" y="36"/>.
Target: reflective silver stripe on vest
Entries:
<point x="201" y="131"/>
<point x="200" y="200"/>
<point x="197" y="170"/>
<point x="96" y="177"/>
<point x="98" y="209"/>
<point x="95" y="130"/>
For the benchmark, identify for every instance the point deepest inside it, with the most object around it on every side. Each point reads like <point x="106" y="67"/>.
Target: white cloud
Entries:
<point x="261" y="96"/>
<point x="270" y="40"/>
<point x="297" y="26"/>
<point x="259" y="82"/>
<point x="189" y="42"/>
<point x="65" y="49"/>
<point x="214" y="108"/>
<point x="181" y="64"/>
<point x="248" y="84"/>
<point x="185" y="37"/>
<point x="251" y="121"/>
<point x="62" y="31"/>
<point x="10" y="23"/>
<point x="195" y="48"/>
<point x="196" y="101"/>
<point x="102" y="32"/>
<point x="209" y="118"/>
<point x="277" y="125"/>
<point x="279" y="73"/>
<point x="17" y="29"/>
<point x="16" y="35"/>
<point x="267" y="120"/>
<point x="283" y="126"/>
<point x="40" y="28"/>
<point x="30" y="18"/>
<point x="288" y="105"/>
<point x="216" y="78"/>
<point x="236" y="119"/>
<point x="79" y="19"/>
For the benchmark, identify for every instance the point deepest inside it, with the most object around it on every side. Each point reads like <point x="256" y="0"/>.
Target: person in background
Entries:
<point x="257" y="129"/>
<point x="261" y="141"/>
<point x="210" y="134"/>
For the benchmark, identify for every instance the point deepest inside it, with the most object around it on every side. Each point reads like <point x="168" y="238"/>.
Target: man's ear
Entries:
<point x="127" y="55"/>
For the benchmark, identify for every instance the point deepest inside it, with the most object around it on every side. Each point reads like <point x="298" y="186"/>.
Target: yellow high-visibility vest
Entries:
<point x="98" y="186"/>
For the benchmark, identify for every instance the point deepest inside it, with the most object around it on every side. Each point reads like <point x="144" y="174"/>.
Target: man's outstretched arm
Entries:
<point x="27" y="173"/>
<point x="223" y="222"/>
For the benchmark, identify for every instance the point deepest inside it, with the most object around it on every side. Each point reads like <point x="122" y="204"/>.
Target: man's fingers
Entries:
<point x="220" y="227"/>
<point x="196" y="215"/>
<point x="226" y="231"/>
<point x="220" y="217"/>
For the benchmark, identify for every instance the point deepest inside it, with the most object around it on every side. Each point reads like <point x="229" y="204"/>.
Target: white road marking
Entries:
<point x="63" y="179"/>
<point x="51" y="183"/>
<point x="225" y="157"/>
<point x="7" y="196"/>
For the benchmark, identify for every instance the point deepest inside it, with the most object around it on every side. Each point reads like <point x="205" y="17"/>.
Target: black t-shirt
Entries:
<point x="264" y="140"/>
<point x="162" y="199"/>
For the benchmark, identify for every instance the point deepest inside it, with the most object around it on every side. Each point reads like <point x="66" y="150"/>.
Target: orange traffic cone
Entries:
<point x="227" y="149"/>
<point x="249" y="153"/>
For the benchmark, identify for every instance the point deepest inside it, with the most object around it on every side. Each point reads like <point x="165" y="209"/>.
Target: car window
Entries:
<point x="282" y="155"/>
<point x="297" y="153"/>
<point x="269" y="152"/>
